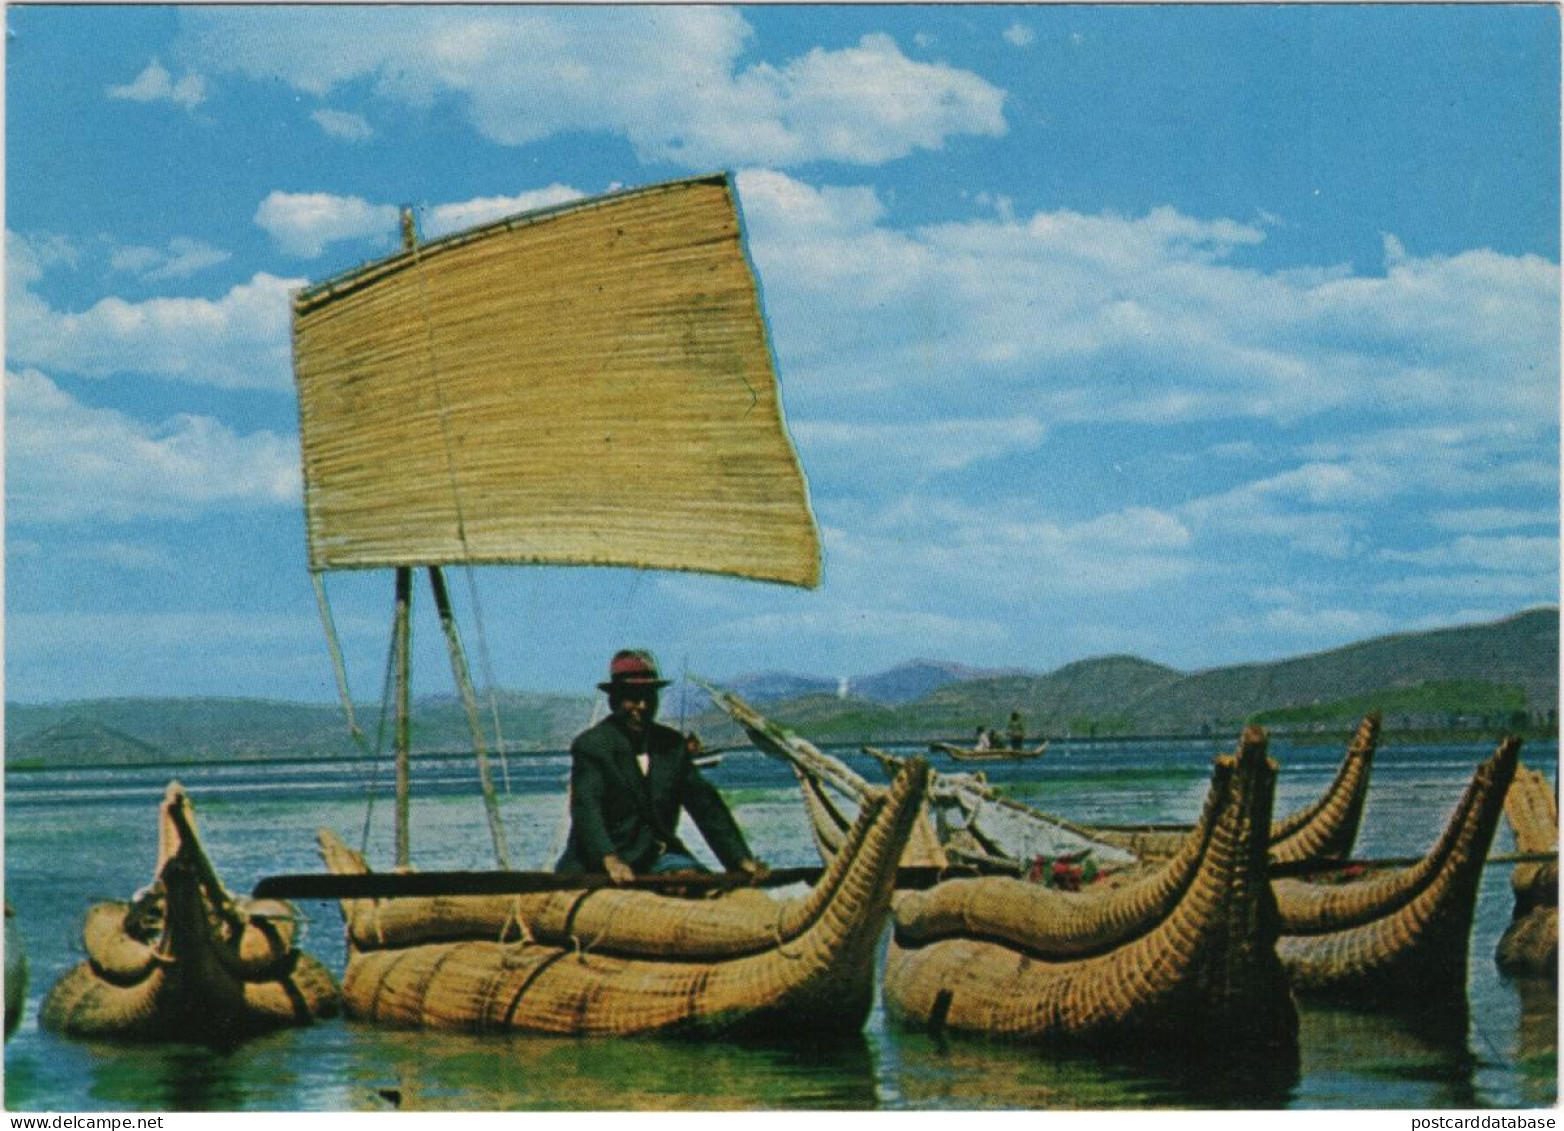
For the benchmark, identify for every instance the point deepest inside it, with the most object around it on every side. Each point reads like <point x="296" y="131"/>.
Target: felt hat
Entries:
<point x="633" y="669"/>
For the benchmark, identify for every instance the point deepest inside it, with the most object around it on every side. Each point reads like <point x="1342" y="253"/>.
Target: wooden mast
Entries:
<point x="403" y="653"/>
<point x="459" y="669"/>
<point x="402" y="636"/>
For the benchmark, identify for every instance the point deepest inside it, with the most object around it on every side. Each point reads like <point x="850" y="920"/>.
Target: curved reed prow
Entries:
<point x="1402" y="939"/>
<point x="1328" y="829"/>
<point x="1530" y="944"/>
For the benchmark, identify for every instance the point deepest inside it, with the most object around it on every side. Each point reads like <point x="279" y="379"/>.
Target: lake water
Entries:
<point x="75" y="837"/>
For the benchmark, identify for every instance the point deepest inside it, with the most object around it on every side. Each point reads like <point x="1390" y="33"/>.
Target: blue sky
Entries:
<point x="1210" y="334"/>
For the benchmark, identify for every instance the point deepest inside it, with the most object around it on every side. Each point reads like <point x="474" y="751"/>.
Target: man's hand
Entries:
<point x="757" y="870"/>
<point x="618" y="871"/>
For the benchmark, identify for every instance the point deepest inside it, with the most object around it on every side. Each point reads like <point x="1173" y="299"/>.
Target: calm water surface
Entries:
<point x="75" y="837"/>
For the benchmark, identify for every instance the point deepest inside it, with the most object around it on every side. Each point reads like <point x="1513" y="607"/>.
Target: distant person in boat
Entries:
<point x="629" y="779"/>
<point x="1017" y="730"/>
<point x="994" y="741"/>
<point x="982" y="740"/>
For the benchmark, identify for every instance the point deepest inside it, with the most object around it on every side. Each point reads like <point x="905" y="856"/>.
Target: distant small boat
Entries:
<point x="187" y="961"/>
<point x="15" y="973"/>
<point x="1530" y="944"/>
<point x="987" y="754"/>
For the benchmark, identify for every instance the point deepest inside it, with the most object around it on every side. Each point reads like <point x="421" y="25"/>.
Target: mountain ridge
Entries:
<point x="1440" y="678"/>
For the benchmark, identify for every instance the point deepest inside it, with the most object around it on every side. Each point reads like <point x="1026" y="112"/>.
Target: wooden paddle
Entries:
<point x="403" y="885"/>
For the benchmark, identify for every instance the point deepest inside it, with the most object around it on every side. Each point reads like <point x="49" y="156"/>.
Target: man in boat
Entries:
<point x="981" y="742"/>
<point x="1017" y="730"/>
<point x="630" y="777"/>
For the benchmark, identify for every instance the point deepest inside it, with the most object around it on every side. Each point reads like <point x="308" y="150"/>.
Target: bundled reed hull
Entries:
<point x="1182" y="959"/>
<point x="1325" y="830"/>
<point x="1400" y="937"/>
<point x="15" y="974"/>
<point x="626" y="962"/>
<point x="186" y="961"/>
<point x="1530" y="944"/>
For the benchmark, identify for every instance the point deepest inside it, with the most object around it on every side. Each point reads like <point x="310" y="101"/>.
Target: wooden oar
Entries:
<point x="402" y="885"/>
<point x="1316" y="867"/>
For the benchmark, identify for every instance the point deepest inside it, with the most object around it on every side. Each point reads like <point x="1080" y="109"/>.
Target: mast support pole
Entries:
<point x="459" y="669"/>
<point x="403" y="648"/>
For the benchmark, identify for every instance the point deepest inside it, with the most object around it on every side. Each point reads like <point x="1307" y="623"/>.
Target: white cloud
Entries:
<point x="1476" y="520"/>
<point x="67" y="461"/>
<point x="1019" y="35"/>
<point x="155" y="84"/>
<point x="668" y="78"/>
<point x="343" y="124"/>
<point x="136" y="557"/>
<point x="1319" y="624"/>
<point x="446" y="218"/>
<point x="905" y="449"/>
<point x="1512" y="553"/>
<point x="240" y="340"/>
<point x="1002" y="549"/>
<point x="303" y="223"/>
<point x="1092" y="318"/>
<point x="181" y="258"/>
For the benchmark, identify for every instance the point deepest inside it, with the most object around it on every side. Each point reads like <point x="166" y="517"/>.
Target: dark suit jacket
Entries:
<point x="614" y="809"/>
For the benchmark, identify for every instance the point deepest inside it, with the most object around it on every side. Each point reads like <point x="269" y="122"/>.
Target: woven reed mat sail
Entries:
<point x="1195" y="968"/>
<point x="1400" y="938"/>
<point x="187" y="961"/>
<point x="588" y="385"/>
<point x="641" y="963"/>
<point x="1325" y="830"/>
<point x="1530" y="944"/>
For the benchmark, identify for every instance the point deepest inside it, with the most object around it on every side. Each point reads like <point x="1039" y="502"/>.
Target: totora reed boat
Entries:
<point x="1182" y="958"/>
<point x="185" y="960"/>
<point x="1367" y="933"/>
<point x="1530" y="944"/>
<point x="623" y="962"/>
<point x="1324" y="830"/>
<point x="486" y="398"/>
<point x="1402" y="937"/>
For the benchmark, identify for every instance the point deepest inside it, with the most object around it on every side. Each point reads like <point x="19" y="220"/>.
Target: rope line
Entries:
<point x="443" y="415"/>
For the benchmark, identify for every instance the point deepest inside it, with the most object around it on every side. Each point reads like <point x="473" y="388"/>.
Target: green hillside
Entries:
<point x="1478" y="678"/>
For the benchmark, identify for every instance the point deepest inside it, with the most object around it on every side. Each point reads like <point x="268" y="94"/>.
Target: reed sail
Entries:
<point x="587" y="385"/>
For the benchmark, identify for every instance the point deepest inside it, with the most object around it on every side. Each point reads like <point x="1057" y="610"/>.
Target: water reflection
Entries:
<point x="425" y="1072"/>
<point x="967" y="1073"/>
<point x="1420" y="1059"/>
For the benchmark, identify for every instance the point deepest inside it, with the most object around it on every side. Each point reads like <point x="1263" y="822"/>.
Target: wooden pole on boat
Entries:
<point x="453" y="640"/>
<point x="402" y="635"/>
<point x="403" y="651"/>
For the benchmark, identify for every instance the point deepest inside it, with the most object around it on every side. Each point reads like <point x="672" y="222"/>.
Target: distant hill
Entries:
<point x="1492" y="676"/>
<point x="1488" y="677"/>
<point x="79" y="739"/>
<point x="914" y="680"/>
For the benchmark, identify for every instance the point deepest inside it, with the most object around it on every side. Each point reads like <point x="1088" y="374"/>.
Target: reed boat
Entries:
<point x="15" y="973"/>
<point x="1181" y="959"/>
<point x="988" y="754"/>
<point x="618" y="962"/>
<point x="1399" y="937"/>
<point x="185" y="959"/>
<point x="1323" y="830"/>
<point x="1530" y="944"/>
<point x="486" y="398"/>
<point x="947" y="833"/>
